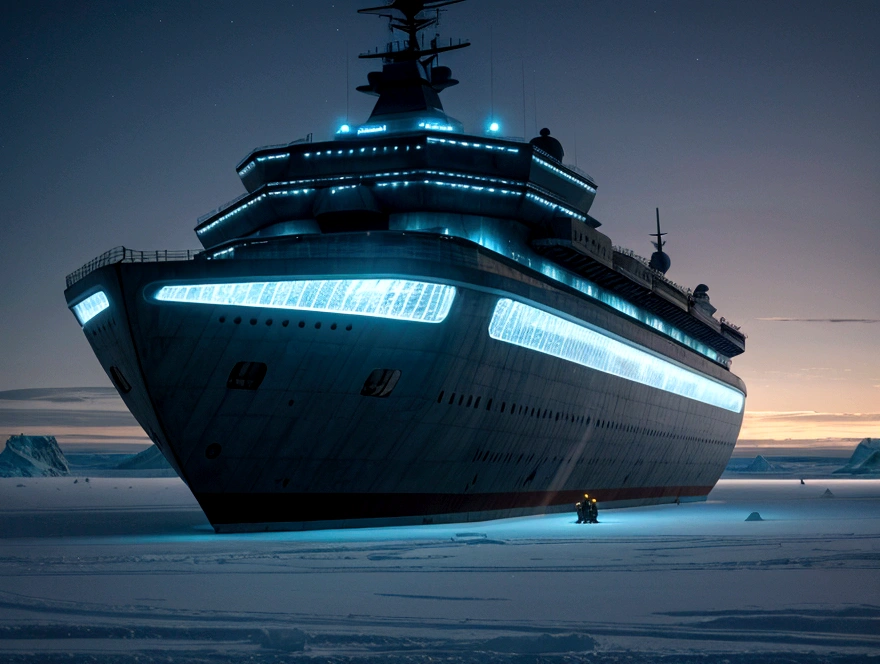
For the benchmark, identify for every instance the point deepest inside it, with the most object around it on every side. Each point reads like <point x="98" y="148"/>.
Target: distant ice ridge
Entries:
<point x="33" y="456"/>
<point x="761" y="465"/>
<point x="150" y="459"/>
<point x="865" y="459"/>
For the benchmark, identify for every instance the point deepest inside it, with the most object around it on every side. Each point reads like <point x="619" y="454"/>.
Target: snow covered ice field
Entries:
<point x="119" y="569"/>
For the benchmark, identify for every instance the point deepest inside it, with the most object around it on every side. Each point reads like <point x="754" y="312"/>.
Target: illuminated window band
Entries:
<point x="436" y="126"/>
<point x="528" y="327"/>
<point x="451" y="185"/>
<point x="558" y="171"/>
<point x="396" y="174"/>
<point x="364" y="150"/>
<point x="374" y="129"/>
<point x="469" y="144"/>
<point x="555" y="206"/>
<point x="381" y="298"/>
<point x="253" y="201"/>
<point x="90" y="307"/>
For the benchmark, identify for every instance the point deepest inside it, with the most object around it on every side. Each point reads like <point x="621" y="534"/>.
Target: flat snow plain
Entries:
<point x="119" y="570"/>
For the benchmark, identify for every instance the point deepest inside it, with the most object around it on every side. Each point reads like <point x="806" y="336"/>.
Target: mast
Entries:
<point x="659" y="259"/>
<point x="411" y="79"/>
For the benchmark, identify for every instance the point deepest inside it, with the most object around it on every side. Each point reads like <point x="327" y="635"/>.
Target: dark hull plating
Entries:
<point x="476" y="428"/>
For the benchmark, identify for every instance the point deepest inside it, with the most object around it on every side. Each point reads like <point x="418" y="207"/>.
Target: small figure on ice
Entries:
<point x="593" y="511"/>
<point x="582" y="508"/>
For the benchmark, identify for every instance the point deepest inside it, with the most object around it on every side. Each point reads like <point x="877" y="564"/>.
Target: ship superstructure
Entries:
<point x="409" y="323"/>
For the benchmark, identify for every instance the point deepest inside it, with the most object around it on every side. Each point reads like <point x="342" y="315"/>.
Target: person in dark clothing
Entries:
<point x="582" y="508"/>
<point x="594" y="511"/>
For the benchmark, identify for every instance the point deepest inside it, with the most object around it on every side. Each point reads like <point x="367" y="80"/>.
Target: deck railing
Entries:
<point x="684" y="290"/>
<point x="123" y="255"/>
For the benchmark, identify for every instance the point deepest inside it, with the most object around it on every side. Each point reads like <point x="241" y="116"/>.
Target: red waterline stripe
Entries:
<point x="233" y="508"/>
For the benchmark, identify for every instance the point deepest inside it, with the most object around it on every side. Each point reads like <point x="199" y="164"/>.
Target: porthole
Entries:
<point x="333" y="326"/>
<point x="440" y="398"/>
<point x="285" y="323"/>
<point x="302" y="323"/>
<point x="318" y="325"/>
<point x="222" y="319"/>
<point x="348" y="328"/>
<point x="268" y="322"/>
<point x="253" y="321"/>
<point x="237" y="320"/>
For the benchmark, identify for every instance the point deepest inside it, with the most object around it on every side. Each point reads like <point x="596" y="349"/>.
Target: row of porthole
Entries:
<point x="501" y="457"/>
<point x="571" y="418"/>
<point x="253" y="321"/>
<point x="103" y="328"/>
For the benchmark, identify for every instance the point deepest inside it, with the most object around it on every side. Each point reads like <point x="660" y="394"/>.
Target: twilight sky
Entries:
<point x="752" y="125"/>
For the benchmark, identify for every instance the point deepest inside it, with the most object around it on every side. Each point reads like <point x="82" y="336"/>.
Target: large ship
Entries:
<point x="412" y="324"/>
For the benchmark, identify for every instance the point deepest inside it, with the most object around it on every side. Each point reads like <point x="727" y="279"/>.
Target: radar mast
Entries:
<point x="411" y="79"/>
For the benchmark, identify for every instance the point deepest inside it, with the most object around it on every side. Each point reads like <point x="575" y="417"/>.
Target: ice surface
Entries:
<point x="124" y="568"/>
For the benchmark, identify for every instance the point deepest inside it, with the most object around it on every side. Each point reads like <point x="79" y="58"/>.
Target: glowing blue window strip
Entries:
<point x="436" y="126"/>
<point x="468" y="144"/>
<point x="375" y="129"/>
<point x="90" y="307"/>
<point x="273" y="156"/>
<point x="381" y="298"/>
<point x="224" y="253"/>
<point x="234" y="212"/>
<point x="528" y="327"/>
<point x="560" y="172"/>
<point x="555" y="206"/>
<point x="452" y="185"/>
<point x="396" y="174"/>
<point x="289" y="192"/>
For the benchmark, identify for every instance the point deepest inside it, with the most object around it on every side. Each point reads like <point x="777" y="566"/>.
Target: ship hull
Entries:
<point x="475" y="428"/>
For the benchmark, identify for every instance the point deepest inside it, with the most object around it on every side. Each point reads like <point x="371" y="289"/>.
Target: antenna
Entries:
<point x="491" y="75"/>
<point x="659" y="260"/>
<point x="535" y="97"/>
<point x="525" y="130"/>
<point x="659" y="243"/>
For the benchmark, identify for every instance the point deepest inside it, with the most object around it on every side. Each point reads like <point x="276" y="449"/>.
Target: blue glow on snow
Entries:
<point x="399" y="299"/>
<point x="537" y="330"/>
<point x="91" y="307"/>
